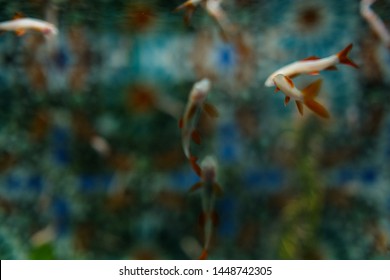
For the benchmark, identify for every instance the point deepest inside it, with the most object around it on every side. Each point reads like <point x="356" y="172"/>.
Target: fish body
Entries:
<point x="189" y="120"/>
<point x="189" y="7"/>
<point x="211" y="189"/>
<point x="213" y="8"/>
<point x="21" y="25"/>
<point x="188" y="123"/>
<point x="375" y="22"/>
<point x="306" y="96"/>
<point x="313" y="65"/>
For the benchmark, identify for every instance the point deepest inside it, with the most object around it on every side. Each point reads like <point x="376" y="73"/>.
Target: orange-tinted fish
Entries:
<point x="305" y="96"/>
<point x="211" y="189"/>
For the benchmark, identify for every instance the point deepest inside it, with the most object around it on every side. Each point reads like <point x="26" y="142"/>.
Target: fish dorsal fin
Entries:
<point x="311" y="58"/>
<point x="312" y="90"/>
<point x="210" y="110"/>
<point x="300" y="107"/>
<point x="18" y="15"/>
<point x="317" y="108"/>
<point x="290" y="82"/>
<point x="286" y="100"/>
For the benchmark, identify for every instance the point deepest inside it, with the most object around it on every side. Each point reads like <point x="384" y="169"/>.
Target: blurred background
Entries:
<point x="91" y="162"/>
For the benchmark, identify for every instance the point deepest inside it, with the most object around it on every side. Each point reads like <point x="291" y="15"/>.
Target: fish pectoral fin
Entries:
<point x="277" y="89"/>
<point x="311" y="58"/>
<point x="316" y="108"/>
<point x="196" y="186"/>
<point x="217" y="189"/>
<point x="195" y="166"/>
<point x="300" y="107"/>
<point x="20" y="32"/>
<point x="195" y="136"/>
<point x="314" y="73"/>
<point x="286" y="100"/>
<point x="311" y="91"/>
<point x="210" y="109"/>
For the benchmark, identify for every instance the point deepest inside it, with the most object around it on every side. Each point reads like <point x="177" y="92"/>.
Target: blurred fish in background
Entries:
<point x="91" y="157"/>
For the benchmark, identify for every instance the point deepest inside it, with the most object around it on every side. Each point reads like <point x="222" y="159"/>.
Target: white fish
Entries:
<point x="211" y="189"/>
<point x="196" y="103"/>
<point x="305" y="96"/>
<point x="20" y="25"/>
<point x="190" y="7"/>
<point x="313" y="65"/>
<point x="374" y="21"/>
<point x="213" y="8"/>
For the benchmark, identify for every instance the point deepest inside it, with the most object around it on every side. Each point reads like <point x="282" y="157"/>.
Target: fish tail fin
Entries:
<point x="344" y="59"/>
<point x="317" y="108"/>
<point x="204" y="255"/>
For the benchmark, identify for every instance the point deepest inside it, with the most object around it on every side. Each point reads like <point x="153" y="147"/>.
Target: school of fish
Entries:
<point x="197" y="98"/>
